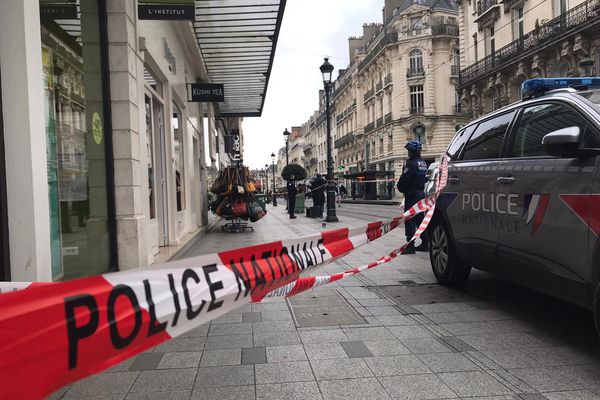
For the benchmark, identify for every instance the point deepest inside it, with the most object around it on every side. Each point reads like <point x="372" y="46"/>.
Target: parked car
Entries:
<point x="522" y="199"/>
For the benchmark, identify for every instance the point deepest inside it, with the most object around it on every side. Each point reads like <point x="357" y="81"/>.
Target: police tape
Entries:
<point x="57" y="333"/>
<point x="311" y="282"/>
<point x="303" y="284"/>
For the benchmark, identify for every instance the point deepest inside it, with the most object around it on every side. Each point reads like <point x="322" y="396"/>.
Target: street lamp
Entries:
<point x="267" y="177"/>
<point x="274" y="186"/>
<point x="286" y="135"/>
<point x="327" y="70"/>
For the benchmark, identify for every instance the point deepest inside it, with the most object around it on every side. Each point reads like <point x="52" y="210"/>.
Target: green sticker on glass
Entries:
<point x="97" y="128"/>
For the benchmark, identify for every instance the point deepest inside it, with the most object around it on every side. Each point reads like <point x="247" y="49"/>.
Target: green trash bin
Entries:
<point x="262" y="200"/>
<point x="299" y="209"/>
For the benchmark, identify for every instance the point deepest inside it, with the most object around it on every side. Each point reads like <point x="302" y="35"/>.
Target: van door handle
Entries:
<point x="453" y="180"/>
<point x="506" y="180"/>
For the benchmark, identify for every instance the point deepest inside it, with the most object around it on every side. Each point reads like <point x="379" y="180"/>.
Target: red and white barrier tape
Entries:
<point x="311" y="282"/>
<point x="61" y="332"/>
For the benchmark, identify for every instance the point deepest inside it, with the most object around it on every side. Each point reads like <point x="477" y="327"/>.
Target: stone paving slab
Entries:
<point x="415" y="339"/>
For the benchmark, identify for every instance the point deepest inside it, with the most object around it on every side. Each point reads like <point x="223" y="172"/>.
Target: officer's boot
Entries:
<point x="410" y="249"/>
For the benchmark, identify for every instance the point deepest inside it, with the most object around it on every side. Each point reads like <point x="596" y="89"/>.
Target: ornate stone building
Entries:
<point x="400" y="85"/>
<point x="505" y="43"/>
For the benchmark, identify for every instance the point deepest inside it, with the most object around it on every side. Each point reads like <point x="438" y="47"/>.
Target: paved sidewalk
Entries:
<point x="390" y="333"/>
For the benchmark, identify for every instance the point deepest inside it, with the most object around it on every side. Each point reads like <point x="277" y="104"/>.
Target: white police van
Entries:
<point x="523" y="194"/>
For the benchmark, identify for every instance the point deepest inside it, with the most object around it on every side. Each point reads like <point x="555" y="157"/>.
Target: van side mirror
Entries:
<point x="562" y="141"/>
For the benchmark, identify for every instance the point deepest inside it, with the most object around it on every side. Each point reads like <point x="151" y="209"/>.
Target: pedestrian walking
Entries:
<point x="291" y="195"/>
<point x="317" y="188"/>
<point x="390" y="188"/>
<point x="412" y="185"/>
<point x="338" y="195"/>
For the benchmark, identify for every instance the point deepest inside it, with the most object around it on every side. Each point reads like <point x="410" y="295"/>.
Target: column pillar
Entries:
<point x="25" y="140"/>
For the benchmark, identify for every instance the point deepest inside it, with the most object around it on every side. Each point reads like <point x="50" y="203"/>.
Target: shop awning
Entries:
<point x="238" y="39"/>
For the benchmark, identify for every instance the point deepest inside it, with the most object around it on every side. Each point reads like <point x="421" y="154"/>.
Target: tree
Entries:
<point x="293" y="169"/>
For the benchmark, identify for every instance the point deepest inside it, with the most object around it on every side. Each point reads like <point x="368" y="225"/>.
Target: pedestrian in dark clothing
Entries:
<point x="390" y="188"/>
<point x="317" y="187"/>
<point x="291" y="194"/>
<point x="412" y="185"/>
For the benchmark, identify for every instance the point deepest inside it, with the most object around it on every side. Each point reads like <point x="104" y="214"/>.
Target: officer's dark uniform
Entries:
<point x="412" y="185"/>
<point x="291" y="192"/>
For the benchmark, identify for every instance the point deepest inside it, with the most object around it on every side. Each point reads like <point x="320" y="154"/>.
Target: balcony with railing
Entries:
<point x="485" y="5"/>
<point x="341" y="116"/>
<point x="557" y="29"/>
<point x="444" y="30"/>
<point x="369" y="127"/>
<point x="373" y="52"/>
<point x="388" y="118"/>
<point x="415" y="72"/>
<point x="370" y="93"/>
<point x="321" y="118"/>
<point x="378" y="87"/>
<point x="387" y="80"/>
<point x="417" y="110"/>
<point x="379" y="122"/>
<point x="344" y="140"/>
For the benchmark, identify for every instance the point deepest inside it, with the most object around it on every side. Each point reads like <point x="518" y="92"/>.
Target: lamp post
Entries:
<point x="327" y="70"/>
<point x="274" y="185"/>
<point x="286" y="135"/>
<point x="267" y="177"/>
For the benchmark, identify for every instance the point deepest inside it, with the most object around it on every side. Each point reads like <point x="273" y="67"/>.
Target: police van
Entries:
<point x="522" y="199"/>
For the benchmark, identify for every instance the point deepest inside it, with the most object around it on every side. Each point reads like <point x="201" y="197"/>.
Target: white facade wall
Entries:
<point x="132" y="44"/>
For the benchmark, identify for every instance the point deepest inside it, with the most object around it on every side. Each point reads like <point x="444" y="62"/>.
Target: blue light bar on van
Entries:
<point x="538" y="86"/>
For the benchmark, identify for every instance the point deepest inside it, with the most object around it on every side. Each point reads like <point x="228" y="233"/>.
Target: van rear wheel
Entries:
<point x="447" y="268"/>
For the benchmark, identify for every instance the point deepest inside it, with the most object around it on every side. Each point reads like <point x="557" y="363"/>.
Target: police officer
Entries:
<point x="291" y="193"/>
<point x="412" y="185"/>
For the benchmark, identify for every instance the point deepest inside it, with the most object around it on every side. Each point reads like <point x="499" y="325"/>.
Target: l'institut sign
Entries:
<point x="166" y="9"/>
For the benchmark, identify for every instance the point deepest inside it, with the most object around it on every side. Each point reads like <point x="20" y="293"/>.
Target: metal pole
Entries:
<point x="274" y="187"/>
<point x="267" y="180"/>
<point x="331" y="215"/>
<point x="287" y="157"/>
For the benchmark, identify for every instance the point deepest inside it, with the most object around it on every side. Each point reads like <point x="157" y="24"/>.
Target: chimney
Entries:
<point x="354" y="43"/>
<point x="390" y="6"/>
<point x="369" y="31"/>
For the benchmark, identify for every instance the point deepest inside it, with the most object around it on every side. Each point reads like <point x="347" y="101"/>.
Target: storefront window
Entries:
<point x="75" y="136"/>
<point x="178" y="149"/>
<point x="150" y="156"/>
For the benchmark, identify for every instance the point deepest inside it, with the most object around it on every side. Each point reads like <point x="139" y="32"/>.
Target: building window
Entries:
<point x="490" y="41"/>
<point x="381" y="149"/>
<point x="179" y="158"/>
<point x="417" y="101"/>
<point x="518" y="23"/>
<point x="560" y="7"/>
<point x="150" y="156"/>
<point x="390" y="141"/>
<point x="76" y="132"/>
<point x="475" y="50"/>
<point x="415" y="58"/>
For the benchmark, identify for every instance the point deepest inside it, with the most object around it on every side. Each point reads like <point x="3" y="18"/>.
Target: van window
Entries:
<point x="486" y="142"/>
<point x="536" y="122"/>
<point x="459" y="141"/>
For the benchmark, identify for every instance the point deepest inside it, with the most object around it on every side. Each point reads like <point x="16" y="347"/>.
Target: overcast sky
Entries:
<point x="311" y="30"/>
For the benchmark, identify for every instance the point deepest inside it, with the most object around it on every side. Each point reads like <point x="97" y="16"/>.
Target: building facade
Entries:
<point x="399" y="86"/>
<point x="505" y="43"/>
<point x="104" y="160"/>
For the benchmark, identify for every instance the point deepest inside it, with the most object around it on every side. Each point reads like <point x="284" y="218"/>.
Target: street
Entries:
<point x="389" y="333"/>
